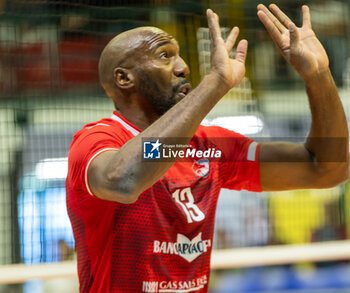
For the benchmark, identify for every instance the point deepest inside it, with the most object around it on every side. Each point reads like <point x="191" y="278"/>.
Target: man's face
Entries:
<point x="161" y="75"/>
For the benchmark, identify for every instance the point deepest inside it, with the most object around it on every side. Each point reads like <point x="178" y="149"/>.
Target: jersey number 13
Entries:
<point x="185" y="199"/>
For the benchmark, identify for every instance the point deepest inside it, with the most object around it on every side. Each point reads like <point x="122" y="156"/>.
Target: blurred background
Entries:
<point x="49" y="89"/>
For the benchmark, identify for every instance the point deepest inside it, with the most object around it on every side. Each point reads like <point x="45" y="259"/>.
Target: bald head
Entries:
<point x="126" y="50"/>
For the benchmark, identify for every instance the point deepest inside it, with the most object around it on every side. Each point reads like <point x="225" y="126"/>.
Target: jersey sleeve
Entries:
<point x="85" y="148"/>
<point x="240" y="161"/>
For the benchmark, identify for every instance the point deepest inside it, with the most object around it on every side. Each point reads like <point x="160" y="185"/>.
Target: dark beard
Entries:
<point x="160" y="100"/>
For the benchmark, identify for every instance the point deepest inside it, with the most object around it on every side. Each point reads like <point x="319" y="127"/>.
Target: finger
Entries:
<point x="213" y="24"/>
<point x="284" y="19"/>
<point x="277" y="23"/>
<point x="306" y="16"/>
<point x="231" y="39"/>
<point x="241" y="51"/>
<point x="294" y="38"/>
<point x="271" y="28"/>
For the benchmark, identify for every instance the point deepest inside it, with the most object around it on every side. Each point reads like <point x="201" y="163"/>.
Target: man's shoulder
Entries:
<point x="104" y="122"/>
<point x="205" y="130"/>
<point x="104" y="125"/>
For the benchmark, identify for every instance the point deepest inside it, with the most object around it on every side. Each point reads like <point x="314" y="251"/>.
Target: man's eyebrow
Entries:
<point x="162" y="44"/>
<point x="166" y="42"/>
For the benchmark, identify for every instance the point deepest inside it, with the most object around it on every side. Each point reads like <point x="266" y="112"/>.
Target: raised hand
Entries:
<point x="299" y="46"/>
<point x="230" y="71"/>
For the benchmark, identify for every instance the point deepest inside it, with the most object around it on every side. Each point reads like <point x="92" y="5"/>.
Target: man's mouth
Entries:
<point x="184" y="90"/>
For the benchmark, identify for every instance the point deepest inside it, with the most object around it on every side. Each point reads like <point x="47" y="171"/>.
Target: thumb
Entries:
<point x="294" y="38"/>
<point x="241" y="51"/>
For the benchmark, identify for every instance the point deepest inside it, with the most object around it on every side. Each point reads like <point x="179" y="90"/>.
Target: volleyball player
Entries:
<point x="147" y="225"/>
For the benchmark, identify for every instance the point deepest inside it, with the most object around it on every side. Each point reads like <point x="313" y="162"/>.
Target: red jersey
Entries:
<point x="163" y="241"/>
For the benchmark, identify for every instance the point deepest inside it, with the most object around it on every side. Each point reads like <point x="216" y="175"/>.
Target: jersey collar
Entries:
<point x="128" y="125"/>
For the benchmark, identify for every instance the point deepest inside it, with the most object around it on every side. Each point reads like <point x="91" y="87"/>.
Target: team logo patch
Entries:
<point x="201" y="168"/>
<point x="152" y="149"/>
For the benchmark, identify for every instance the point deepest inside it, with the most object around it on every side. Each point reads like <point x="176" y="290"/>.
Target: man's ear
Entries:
<point x="123" y="78"/>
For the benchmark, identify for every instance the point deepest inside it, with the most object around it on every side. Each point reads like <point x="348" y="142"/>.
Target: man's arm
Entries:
<point x="122" y="175"/>
<point x="323" y="161"/>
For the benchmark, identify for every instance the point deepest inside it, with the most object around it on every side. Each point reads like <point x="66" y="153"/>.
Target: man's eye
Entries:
<point x="164" y="55"/>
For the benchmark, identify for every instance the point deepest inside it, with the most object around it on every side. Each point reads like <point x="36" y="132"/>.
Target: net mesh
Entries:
<point x="49" y="89"/>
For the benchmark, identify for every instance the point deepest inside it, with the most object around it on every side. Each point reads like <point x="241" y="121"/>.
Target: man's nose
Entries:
<point x="181" y="68"/>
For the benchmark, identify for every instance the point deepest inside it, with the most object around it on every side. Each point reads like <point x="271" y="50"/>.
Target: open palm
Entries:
<point x="299" y="46"/>
<point x="230" y="70"/>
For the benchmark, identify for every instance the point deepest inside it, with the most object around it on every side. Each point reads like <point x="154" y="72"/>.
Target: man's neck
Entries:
<point x="139" y="118"/>
<point x="136" y="110"/>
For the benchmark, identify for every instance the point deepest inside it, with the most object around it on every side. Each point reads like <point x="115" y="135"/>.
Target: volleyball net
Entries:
<point x="49" y="89"/>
